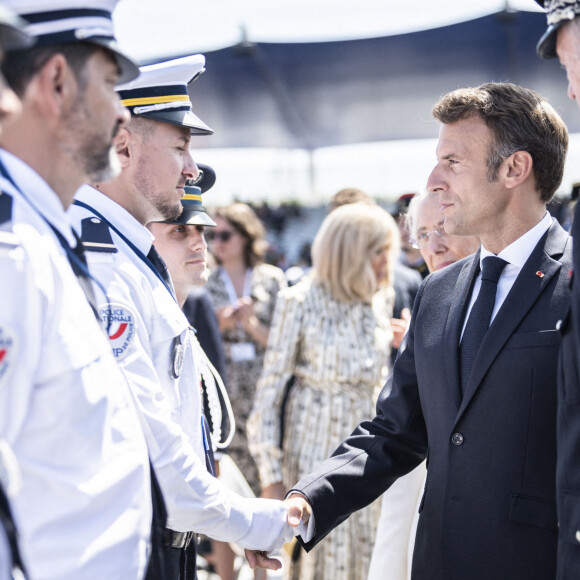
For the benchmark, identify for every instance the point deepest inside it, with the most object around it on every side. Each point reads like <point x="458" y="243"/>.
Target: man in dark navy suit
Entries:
<point x="473" y="389"/>
<point x="562" y="40"/>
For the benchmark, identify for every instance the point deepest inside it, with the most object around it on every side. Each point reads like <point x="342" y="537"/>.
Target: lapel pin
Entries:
<point x="539" y="274"/>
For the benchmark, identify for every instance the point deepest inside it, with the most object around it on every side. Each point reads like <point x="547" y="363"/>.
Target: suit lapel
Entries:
<point x="458" y="306"/>
<point x="526" y="290"/>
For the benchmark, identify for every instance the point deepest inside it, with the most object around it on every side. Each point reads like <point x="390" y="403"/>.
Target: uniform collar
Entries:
<point x="118" y="216"/>
<point x="32" y="187"/>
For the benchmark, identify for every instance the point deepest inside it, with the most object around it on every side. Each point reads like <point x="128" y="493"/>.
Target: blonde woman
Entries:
<point x="331" y="332"/>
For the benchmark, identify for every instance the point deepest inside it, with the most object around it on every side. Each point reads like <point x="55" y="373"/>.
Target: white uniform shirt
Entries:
<point x="10" y="479"/>
<point x="170" y="408"/>
<point x="84" y="506"/>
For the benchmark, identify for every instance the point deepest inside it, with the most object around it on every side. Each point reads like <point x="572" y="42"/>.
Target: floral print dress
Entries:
<point x="338" y="353"/>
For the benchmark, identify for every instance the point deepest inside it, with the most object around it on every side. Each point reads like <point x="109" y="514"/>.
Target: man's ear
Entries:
<point x="123" y="146"/>
<point x="517" y="168"/>
<point x="56" y="85"/>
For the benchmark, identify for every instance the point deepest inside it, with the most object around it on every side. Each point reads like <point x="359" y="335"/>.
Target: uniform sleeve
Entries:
<point x="263" y="426"/>
<point x="22" y="313"/>
<point x="195" y="499"/>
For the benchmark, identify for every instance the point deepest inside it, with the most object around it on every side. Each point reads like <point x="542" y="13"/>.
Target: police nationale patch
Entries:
<point x="8" y="352"/>
<point x="119" y="322"/>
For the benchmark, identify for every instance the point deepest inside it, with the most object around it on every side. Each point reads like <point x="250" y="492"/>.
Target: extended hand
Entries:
<point x="298" y="509"/>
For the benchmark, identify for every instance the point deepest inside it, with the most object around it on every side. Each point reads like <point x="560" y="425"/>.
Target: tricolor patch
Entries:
<point x="120" y="324"/>
<point x="8" y="348"/>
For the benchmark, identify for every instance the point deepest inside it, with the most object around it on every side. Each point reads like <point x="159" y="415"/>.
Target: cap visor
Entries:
<point x="128" y="69"/>
<point x="12" y="35"/>
<point x="546" y="47"/>
<point x="183" y="118"/>
<point x="193" y="218"/>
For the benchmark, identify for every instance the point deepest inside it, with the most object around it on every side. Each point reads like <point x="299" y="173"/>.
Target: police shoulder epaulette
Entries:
<point x="5" y="208"/>
<point x="96" y="237"/>
<point x="8" y="239"/>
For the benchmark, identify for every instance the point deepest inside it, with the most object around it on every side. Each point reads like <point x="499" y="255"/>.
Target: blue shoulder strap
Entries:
<point x="5" y="209"/>
<point x="96" y="237"/>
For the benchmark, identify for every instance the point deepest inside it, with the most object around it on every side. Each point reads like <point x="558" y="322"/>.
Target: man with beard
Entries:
<point x="562" y="40"/>
<point x="84" y="505"/>
<point x="148" y="331"/>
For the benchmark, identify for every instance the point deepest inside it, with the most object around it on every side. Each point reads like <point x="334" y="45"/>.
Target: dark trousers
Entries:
<point x="180" y="562"/>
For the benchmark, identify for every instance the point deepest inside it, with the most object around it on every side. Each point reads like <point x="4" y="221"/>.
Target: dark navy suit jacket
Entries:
<point x="568" y="470"/>
<point x="489" y="507"/>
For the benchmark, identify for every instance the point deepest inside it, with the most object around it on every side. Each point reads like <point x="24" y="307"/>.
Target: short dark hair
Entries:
<point x="519" y="120"/>
<point x="20" y="66"/>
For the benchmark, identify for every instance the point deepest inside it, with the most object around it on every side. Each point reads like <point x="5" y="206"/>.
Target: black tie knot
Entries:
<point x="491" y="268"/>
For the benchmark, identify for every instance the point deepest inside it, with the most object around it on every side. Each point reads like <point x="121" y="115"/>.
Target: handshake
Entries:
<point x="298" y="515"/>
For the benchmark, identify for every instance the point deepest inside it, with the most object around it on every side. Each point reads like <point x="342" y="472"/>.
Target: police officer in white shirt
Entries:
<point x="12" y="36"/>
<point x="148" y="330"/>
<point x="84" y="506"/>
<point x="182" y="246"/>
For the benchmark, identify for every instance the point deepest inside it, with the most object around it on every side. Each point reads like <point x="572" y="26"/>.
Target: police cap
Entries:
<point x="160" y="93"/>
<point x="70" y="21"/>
<point x="558" y="13"/>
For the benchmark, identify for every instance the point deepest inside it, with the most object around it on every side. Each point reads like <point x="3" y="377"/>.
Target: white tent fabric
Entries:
<point x="282" y="168"/>
<point x="154" y="29"/>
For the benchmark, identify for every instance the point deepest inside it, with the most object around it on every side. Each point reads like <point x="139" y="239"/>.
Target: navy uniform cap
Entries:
<point x="206" y="178"/>
<point x="12" y="34"/>
<point x="558" y="13"/>
<point x="194" y="212"/>
<point x="70" y="21"/>
<point x="160" y="93"/>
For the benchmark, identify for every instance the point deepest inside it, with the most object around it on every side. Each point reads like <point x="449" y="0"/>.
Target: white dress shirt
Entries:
<point x="170" y="408"/>
<point x="84" y="505"/>
<point x="516" y="255"/>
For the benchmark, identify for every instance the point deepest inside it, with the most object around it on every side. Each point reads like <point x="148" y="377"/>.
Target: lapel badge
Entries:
<point x="539" y="274"/>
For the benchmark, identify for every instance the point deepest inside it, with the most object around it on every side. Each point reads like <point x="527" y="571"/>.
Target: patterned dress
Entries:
<point x="338" y="353"/>
<point x="242" y="375"/>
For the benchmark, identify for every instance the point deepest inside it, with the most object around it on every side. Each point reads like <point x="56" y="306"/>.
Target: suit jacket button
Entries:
<point x="578" y="536"/>
<point x="457" y="439"/>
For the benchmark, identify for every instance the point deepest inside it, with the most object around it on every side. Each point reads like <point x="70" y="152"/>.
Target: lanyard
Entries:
<point x="74" y="259"/>
<point x="232" y="295"/>
<point x="129" y="243"/>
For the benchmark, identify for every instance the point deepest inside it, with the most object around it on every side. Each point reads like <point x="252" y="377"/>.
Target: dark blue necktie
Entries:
<point x="480" y="315"/>
<point x="158" y="262"/>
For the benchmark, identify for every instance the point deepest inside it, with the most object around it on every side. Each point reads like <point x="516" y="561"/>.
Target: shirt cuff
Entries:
<point x="270" y="529"/>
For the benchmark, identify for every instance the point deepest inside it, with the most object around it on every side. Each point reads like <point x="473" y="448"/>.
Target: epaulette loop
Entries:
<point x="96" y="236"/>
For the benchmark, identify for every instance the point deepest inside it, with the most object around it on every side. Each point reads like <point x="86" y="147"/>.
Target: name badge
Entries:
<point x="242" y="351"/>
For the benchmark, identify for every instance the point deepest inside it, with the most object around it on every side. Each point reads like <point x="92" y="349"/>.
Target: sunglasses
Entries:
<point x="224" y="236"/>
